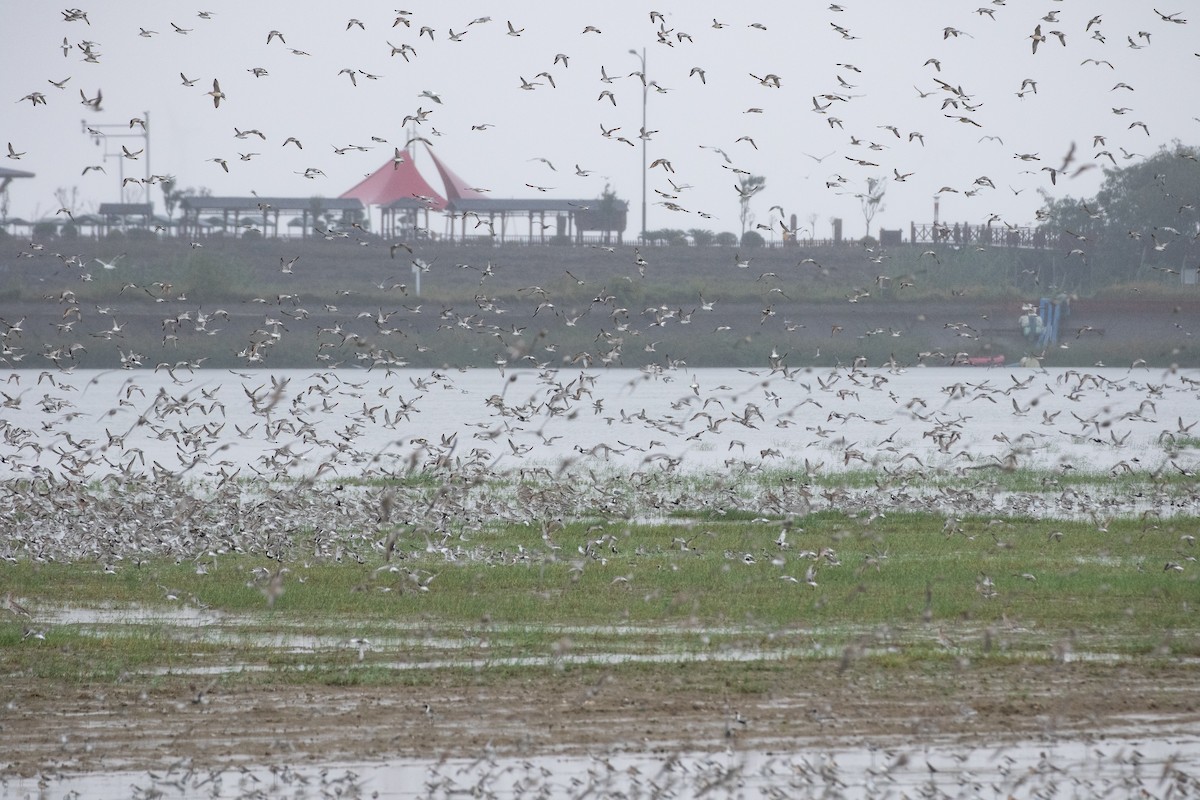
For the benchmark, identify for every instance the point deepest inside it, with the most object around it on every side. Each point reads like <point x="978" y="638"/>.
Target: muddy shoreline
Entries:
<point x="148" y="724"/>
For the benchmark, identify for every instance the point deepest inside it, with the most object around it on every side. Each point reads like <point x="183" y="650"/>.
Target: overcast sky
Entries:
<point x="873" y="71"/>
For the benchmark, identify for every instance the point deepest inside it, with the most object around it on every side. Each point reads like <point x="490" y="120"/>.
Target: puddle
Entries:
<point x="1089" y="766"/>
<point x="729" y="655"/>
<point x="427" y="646"/>
<point x="178" y="616"/>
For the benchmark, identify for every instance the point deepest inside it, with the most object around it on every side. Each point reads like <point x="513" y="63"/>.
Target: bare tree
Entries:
<point x="872" y="200"/>
<point x="171" y="196"/>
<point x="68" y="199"/>
<point x="748" y="186"/>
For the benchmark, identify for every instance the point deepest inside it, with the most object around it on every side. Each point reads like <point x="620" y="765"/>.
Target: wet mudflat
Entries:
<point x="809" y="729"/>
<point x="818" y="584"/>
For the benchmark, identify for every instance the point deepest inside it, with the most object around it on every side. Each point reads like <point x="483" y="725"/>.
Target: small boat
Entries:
<point x="984" y="361"/>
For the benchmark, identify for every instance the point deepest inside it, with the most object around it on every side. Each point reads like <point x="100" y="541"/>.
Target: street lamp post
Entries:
<point x="645" y="136"/>
<point x="97" y="137"/>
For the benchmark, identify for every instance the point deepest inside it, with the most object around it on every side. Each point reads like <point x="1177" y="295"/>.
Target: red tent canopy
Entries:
<point x="456" y="187"/>
<point x="397" y="181"/>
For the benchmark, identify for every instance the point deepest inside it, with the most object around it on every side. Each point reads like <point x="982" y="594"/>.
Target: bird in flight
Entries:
<point x="1038" y="37"/>
<point x="1171" y="17"/>
<point x="216" y="94"/>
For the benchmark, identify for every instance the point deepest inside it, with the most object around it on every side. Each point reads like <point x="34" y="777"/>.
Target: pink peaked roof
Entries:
<point x="456" y="187"/>
<point x="396" y="181"/>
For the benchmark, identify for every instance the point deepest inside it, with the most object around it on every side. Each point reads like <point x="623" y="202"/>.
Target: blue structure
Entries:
<point x="1052" y="312"/>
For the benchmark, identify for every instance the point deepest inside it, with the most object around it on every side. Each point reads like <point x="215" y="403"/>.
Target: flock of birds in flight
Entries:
<point x="863" y="150"/>
<point x="956" y="104"/>
<point x="285" y="425"/>
<point x="332" y="424"/>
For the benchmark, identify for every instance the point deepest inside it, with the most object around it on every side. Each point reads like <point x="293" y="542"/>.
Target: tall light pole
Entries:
<point x="98" y="137"/>
<point x="645" y="135"/>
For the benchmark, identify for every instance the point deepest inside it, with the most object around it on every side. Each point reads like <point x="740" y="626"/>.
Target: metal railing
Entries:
<point x="961" y="234"/>
<point x="921" y="234"/>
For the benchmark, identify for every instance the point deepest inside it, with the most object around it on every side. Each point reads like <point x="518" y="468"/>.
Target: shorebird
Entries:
<point x="1171" y="17"/>
<point x="1038" y="37"/>
<point x="216" y="94"/>
<point x="93" y="102"/>
<point x="14" y="607"/>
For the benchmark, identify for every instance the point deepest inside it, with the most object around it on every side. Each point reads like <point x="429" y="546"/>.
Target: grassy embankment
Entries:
<point x="901" y="304"/>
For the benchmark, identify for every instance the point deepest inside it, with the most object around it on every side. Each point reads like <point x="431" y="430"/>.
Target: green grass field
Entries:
<point x="899" y="589"/>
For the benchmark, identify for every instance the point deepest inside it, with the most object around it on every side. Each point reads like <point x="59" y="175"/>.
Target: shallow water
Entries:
<point x="401" y="646"/>
<point x="354" y="423"/>
<point x="213" y="424"/>
<point x="1113" y="763"/>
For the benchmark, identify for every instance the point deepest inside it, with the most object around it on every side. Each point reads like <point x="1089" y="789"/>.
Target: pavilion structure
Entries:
<point x="238" y="215"/>
<point x="118" y="216"/>
<point x="6" y="177"/>
<point x="401" y="193"/>
<point x="405" y="200"/>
